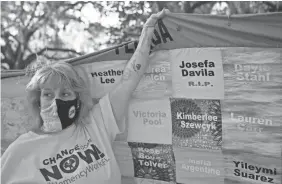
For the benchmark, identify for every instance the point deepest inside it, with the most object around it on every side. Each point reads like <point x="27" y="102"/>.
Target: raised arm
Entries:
<point x="134" y="69"/>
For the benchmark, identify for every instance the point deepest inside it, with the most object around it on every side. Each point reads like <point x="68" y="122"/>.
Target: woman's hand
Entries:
<point x="151" y="22"/>
<point x="134" y="69"/>
<point x="148" y="29"/>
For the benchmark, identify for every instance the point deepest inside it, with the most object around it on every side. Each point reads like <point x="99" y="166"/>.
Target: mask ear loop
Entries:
<point x="78" y="101"/>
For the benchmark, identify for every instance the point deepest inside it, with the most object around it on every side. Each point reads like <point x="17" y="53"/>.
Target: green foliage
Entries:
<point x="50" y="29"/>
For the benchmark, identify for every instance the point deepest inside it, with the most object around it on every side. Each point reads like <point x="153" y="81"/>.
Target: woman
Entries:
<point x="72" y="141"/>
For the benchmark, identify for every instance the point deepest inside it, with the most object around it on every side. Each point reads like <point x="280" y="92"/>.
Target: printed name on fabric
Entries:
<point x="161" y="34"/>
<point x="259" y="172"/>
<point x="251" y="120"/>
<point x="155" y="74"/>
<point x="150" y="163"/>
<point x="109" y="76"/>
<point x="201" y="68"/>
<point x="105" y="74"/>
<point x="87" y="156"/>
<point x="252" y="72"/>
<point x="153" y="118"/>
<point x="192" y="116"/>
<point x="203" y="166"/>
<point x="151" y="157"/>
<point x="247" y="123"/>
<point x="205" y="127"/>
<point x="153" y="151"/>
<point x="157" y="70"/>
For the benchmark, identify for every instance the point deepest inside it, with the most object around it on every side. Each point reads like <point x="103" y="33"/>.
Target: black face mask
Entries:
<point x="68" y="111"/>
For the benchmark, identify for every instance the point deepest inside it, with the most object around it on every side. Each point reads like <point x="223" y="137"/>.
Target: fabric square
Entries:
<point x="102" y="77"/>
<point x="156" y="81"/>
<point x="196" y="123"/>
<point x="197" y="73"/>
<point x="149" y="121"/>
<point x="199" y="166"/>
<point x="244" y="168"/>
<point x="153" y="161"/>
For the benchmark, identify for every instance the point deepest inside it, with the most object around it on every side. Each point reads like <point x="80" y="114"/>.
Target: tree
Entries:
<point x="31" y="29"/>
<point x="133" y="15"/>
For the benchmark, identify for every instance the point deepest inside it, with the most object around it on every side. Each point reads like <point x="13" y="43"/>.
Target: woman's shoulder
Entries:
<point x="18" y="144"/>
<point x="22" y="138"/>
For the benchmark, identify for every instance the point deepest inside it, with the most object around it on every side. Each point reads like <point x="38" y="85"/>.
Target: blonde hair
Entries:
<point x="67" y="76"/>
